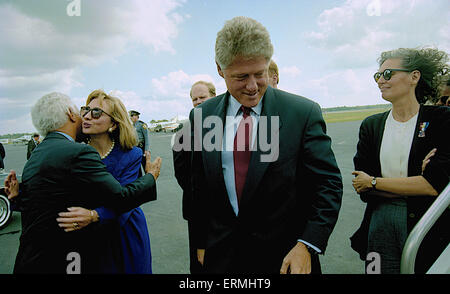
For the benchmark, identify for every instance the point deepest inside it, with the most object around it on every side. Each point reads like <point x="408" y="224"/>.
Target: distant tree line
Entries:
<point x="347" y="108"/>
<point x="14" y="136"/>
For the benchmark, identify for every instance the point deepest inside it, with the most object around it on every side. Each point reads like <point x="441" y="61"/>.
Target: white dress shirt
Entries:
<point x="233" y="117"/>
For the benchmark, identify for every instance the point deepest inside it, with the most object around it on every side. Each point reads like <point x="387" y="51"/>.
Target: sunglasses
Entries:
<point x="387" y="73"/>
<point x="95" y="112"/>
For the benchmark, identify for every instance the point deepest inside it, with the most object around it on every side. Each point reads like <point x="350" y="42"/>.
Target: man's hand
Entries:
<point x="297" y="261"/>
<point x="362" y="182"/>
<point x="152" y="167"/>
<point x="11" y="185"/>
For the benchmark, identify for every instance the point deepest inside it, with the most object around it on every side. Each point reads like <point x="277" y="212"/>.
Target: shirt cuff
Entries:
<point x="310" y="245"/>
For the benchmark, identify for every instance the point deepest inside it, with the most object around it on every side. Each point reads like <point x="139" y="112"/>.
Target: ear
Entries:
<point x="219" y="70"/>
<point x="113" y="127"/>
<point x="275" y="78"/>
<point x="72" y="116"/>
<point x="415" y="76"/>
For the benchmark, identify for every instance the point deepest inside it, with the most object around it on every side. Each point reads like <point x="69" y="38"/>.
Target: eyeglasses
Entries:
<point x="96" y="112"/>
<point x="387" y="73"/>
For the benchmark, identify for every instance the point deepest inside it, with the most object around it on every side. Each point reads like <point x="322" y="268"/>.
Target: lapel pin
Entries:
<point x="423" y="126"/>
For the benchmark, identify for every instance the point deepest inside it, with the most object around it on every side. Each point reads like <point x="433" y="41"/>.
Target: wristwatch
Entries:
<point x="374" y="182"/>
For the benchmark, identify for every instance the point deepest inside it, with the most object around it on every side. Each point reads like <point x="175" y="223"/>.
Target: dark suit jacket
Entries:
<point x="182" y="169"/>
<point x="437" y="173"/>
<point x="30" y="148"/>
<point x="58" y="175"/>
<point x="296" y="196"/>
<point x="2" y="155"/>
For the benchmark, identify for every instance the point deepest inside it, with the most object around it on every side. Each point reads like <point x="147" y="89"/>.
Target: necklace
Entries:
<point x="109" y="151"/>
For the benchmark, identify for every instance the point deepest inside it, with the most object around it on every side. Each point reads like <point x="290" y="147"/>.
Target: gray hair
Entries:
<point x="50" y="112"/>
<point x="242" y="36"/>
<point x="430" y="62"/>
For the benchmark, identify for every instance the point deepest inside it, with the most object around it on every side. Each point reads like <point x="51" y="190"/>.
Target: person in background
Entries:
<point x="200" y="92"/>
<point x="142" y="133"/>
<point x="443" y="101"/>
<point x="444" y="94"/>
<point x="2" y="156"/>
<point x="392" y="148"/>
<point x="274" y="76"/>
<point x="109" y="130"/>
<point x="32" y="144"/>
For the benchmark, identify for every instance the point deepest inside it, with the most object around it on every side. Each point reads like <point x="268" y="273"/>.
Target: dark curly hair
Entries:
<point x="430" y="62"/>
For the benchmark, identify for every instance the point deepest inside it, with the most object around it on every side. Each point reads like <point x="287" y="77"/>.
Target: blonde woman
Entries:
<point x="109" y="130"/>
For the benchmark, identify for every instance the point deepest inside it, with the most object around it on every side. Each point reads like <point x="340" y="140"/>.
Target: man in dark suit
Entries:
<point x="62" y="174"/>
<point x="200" y="92"/>
<point x="260" y="209"/>
<point x="32" y="144"/>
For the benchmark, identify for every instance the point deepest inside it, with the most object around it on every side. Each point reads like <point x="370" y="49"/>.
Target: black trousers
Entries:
<point x="194" y="265"/>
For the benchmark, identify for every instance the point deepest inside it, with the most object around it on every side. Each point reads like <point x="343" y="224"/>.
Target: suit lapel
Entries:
<point x="213" y="159"/>
<point x="378" y="135"/>
<point x="257" y="167"/>
<point x="414" y="145"/>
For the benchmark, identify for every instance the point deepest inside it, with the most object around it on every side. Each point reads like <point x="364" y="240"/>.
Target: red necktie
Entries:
<point x="241" y="151"/>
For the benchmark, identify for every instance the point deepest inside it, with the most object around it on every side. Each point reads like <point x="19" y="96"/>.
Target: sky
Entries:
<point x="149" y="52"/>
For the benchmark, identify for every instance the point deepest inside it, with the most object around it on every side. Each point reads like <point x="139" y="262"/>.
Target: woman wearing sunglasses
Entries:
<point x="109" y="130"/>
<point x="393" y="170"/>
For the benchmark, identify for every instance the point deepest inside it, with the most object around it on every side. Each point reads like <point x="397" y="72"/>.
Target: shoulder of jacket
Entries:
<point x="143" y="124"/>
<point x="376" y="117"/>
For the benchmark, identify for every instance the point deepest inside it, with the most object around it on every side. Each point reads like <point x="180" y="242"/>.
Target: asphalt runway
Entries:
<point x="168" y="230"/>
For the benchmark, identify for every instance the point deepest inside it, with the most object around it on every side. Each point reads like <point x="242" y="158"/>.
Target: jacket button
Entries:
<point x="412" y="215"/>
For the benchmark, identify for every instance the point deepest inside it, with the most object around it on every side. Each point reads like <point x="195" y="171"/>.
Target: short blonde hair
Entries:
<point x="210" y="86"/>
<point x="242" y="36"/>
<point x="125" y="132"/>
<point x="273" y="69"/>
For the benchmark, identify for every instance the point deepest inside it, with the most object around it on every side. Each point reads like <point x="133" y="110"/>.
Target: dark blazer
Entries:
<point x="182" y="169"/>
<point x="297" y="196"/>
<point x="437" y="173"/>
<point x="58" y="175"/>
<point x="2" y="155"/>
<point x="30" y="148"/>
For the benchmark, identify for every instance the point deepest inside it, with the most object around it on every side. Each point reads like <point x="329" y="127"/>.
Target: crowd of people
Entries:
<point x="249" y="209"/>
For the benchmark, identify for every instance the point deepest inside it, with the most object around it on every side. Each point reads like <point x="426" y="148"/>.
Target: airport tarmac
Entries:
<point x="168" y="230"/>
